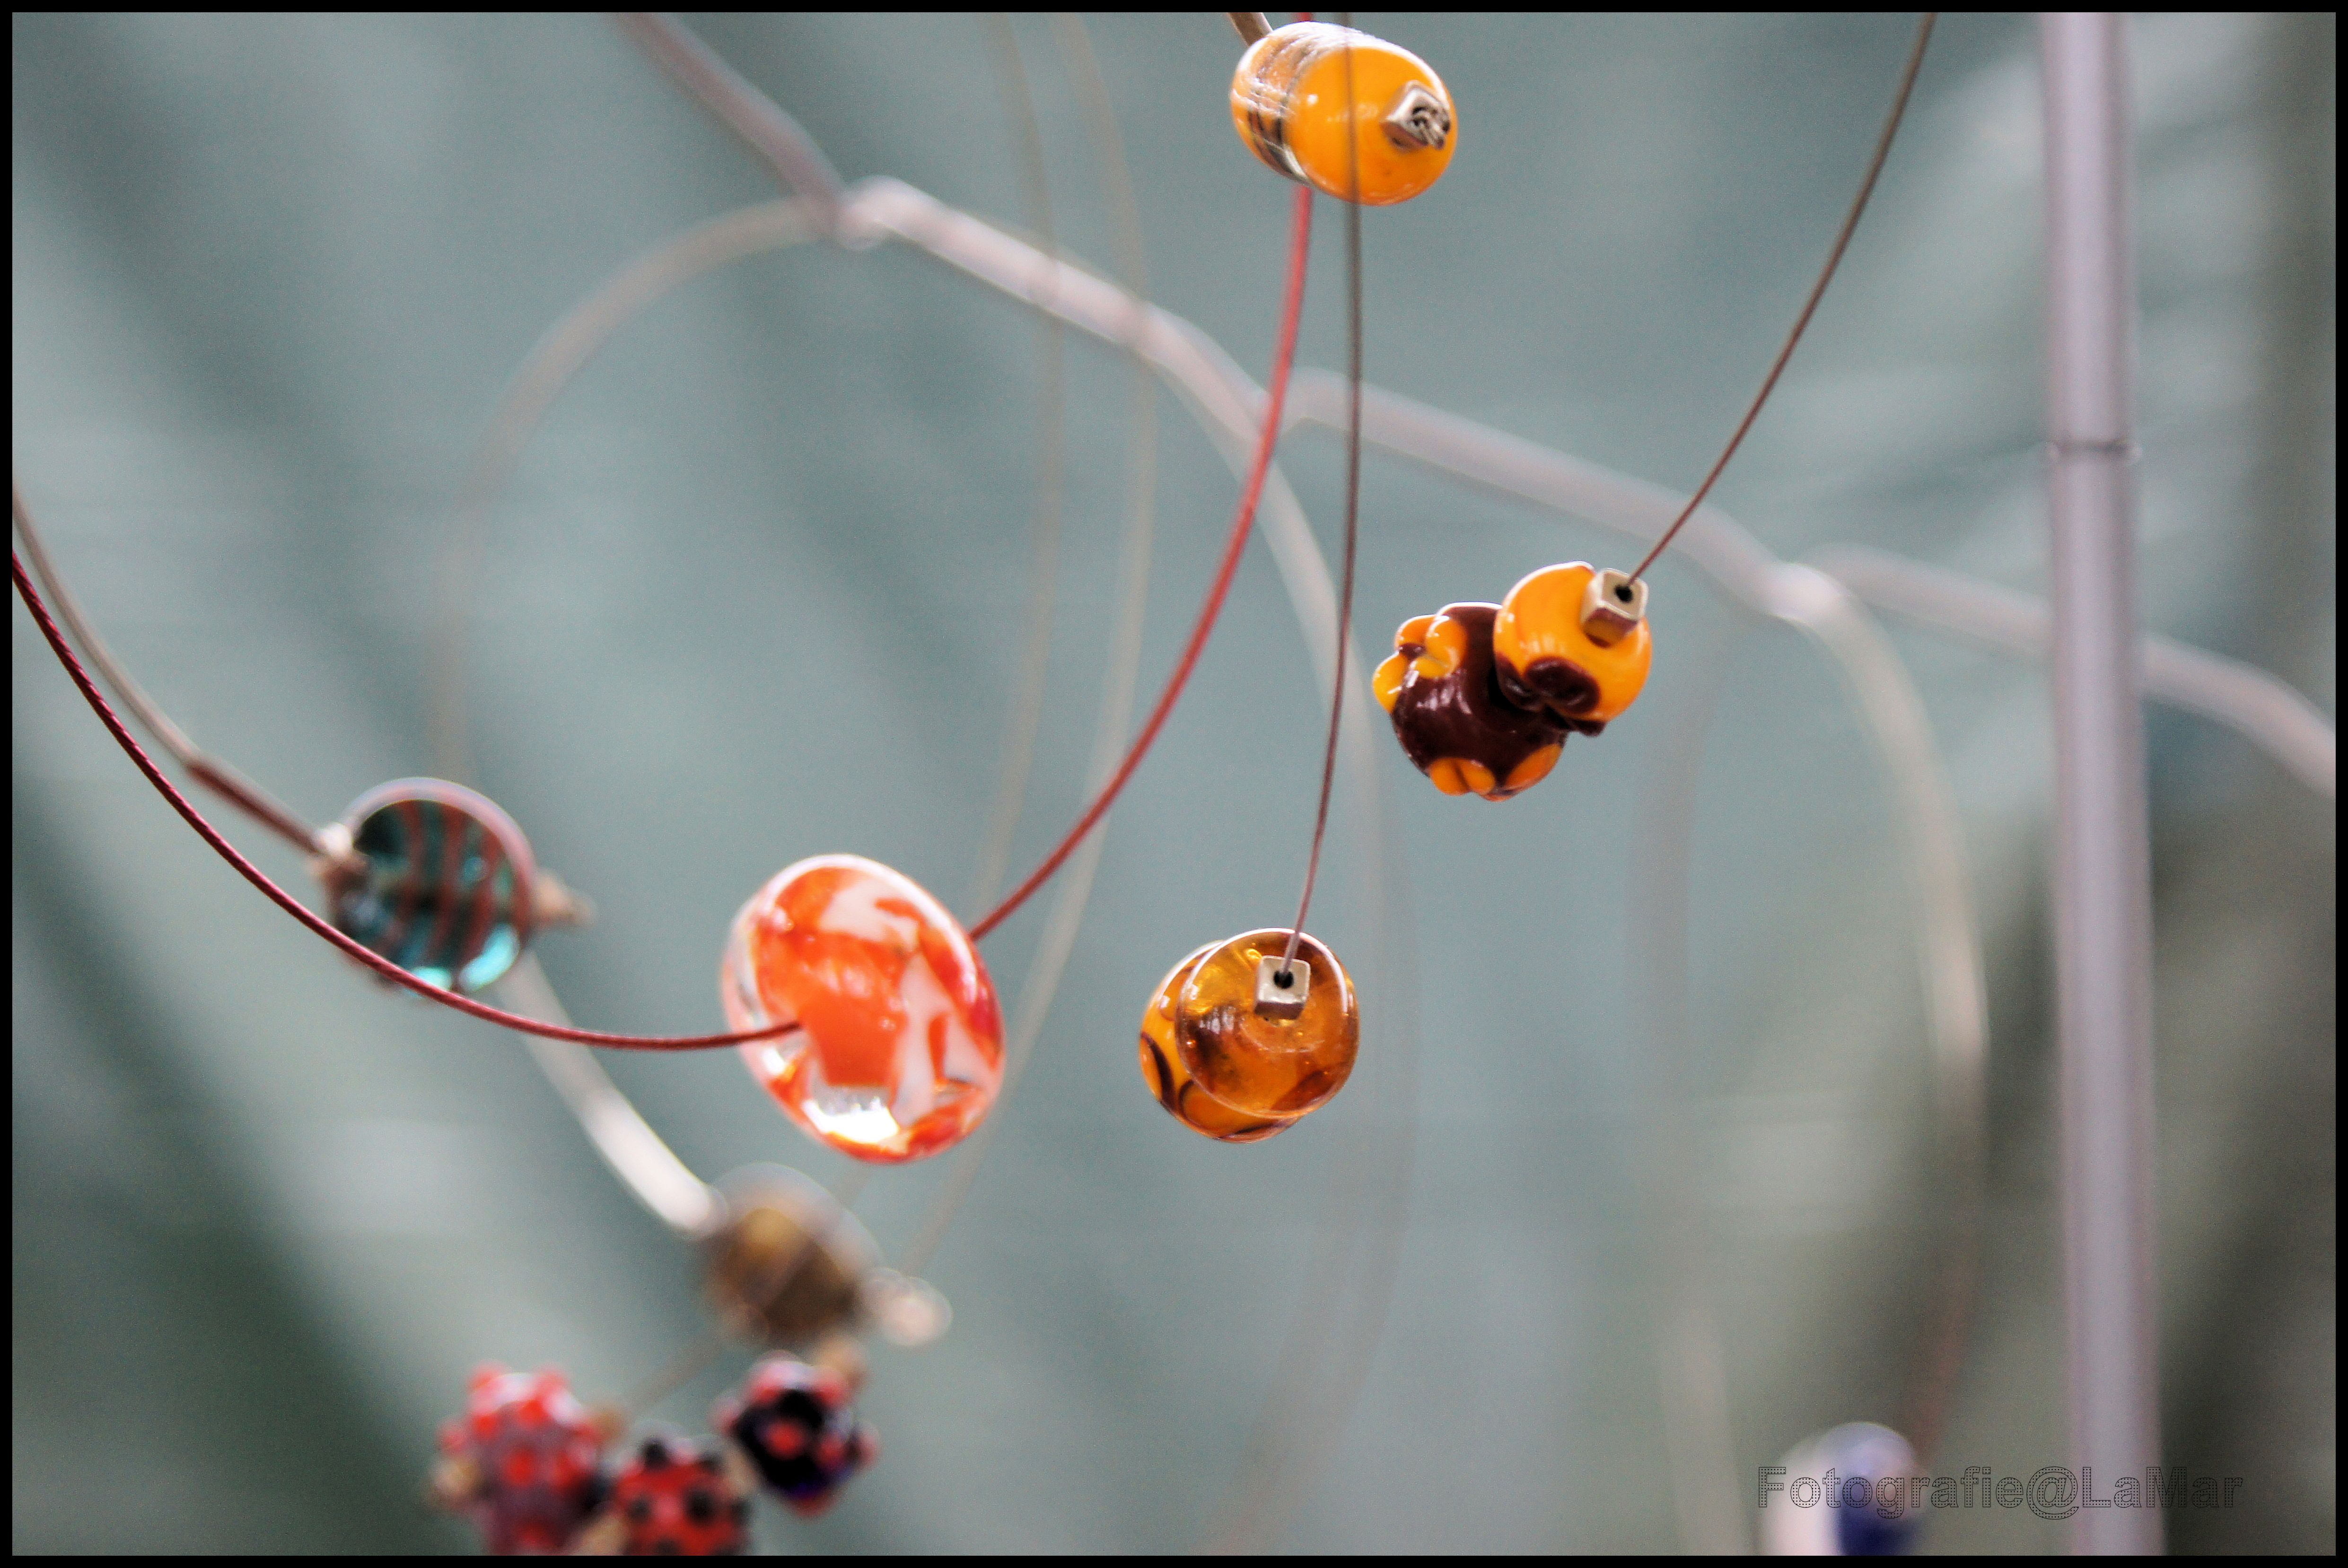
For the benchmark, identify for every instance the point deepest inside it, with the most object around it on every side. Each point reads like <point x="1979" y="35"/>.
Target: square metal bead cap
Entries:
<point x="1611" y="607"/>
<point x="1273" y="999"/>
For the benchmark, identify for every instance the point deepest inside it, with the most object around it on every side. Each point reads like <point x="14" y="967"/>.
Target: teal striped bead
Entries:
<point x="439" y="882"/>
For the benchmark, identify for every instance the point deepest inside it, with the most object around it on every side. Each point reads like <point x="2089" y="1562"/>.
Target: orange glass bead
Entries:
<point x="900" y="1047"/>
<point x="1170" y="1081"/>
<point x="1555" y="650"/>
<point x="1451" y="716"/>
<point x="1246" y="1043"/>
<point x="1289" y="102"/>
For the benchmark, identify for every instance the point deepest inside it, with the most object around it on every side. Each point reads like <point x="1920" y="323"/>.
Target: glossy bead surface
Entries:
<point x="794" y="1424"/>
<point x="1831" y="1502"/>
<point x="527" y="1456"/>
<point x="1449" y="714"/>
<point x="900" y="1047"/>
<point x="1289" y="104"/>
<point x="1171" y="1081"/>
<point x="438" y="880"/>
<point x="1546" y="661"/>
<point x="1262" y="1066"/>
<point x="679" y="1498"/>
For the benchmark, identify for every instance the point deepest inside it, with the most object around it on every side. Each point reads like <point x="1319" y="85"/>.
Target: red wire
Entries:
<point x="295" y="907"/>
<point x="1275" y="397"/>
<point x="1275" y="394"/>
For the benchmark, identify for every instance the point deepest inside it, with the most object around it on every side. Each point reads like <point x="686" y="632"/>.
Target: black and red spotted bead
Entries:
<point x="526" y="1457"/>
<point x="793" y="1422"/>
<point x="677" y="1497"/>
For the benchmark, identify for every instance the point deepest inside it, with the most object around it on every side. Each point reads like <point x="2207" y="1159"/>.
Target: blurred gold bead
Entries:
<point x="785" y="1265"/>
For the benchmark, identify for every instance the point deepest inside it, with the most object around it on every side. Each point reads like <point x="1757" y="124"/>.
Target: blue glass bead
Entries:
<point x="1844" y="1493"/>
<point x="438" y="880"/>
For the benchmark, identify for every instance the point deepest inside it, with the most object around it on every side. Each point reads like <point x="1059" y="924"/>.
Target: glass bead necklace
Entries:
<point x="433" y="886"/>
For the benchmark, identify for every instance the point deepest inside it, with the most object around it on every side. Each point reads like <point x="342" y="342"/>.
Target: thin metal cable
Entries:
<point x="1209" y="611"/>
<point x="1353" y="502"/>
<point x="1242" y="523"/>
<point x="1295" y="1428"/>
<point x="779" y="138"/>
<point x="635" y="1155"/>
<point x="557" y="356"/>
<point x="745" y="111"/>
<point x="699" y="1353"/>
<point x="1818" y="289"/>
<point x="1051" y="476"/>
<point x="208" y="771"/>
<point x="1062" y="927"/>
<point x="295" y="907"/>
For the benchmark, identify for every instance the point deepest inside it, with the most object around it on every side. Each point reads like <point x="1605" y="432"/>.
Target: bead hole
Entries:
<point x="1622" y="591"/>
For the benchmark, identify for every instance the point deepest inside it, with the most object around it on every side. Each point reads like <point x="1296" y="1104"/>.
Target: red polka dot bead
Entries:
<point x="794" y="1423"/>
<point x="524" y="1460"/>
<point x="676" y="1498"/>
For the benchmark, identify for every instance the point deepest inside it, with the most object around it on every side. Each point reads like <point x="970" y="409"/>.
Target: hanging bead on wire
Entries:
<point x="1573" y="642"/>
<point x="898" y="1052"/>
<point x="1170" y="1081"/>
<point x="1482" y="696"/>
<point x="1255" y="1042"/>
<point x="1289" y="104"/>
<point x="438" y="879"/>
<point x="1449" y="714"/>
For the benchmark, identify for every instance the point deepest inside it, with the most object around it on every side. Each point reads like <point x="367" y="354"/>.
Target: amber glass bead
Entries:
<point x="899" y="1049"/>
<point x="1449" y="714"/>
<point x="1260" y="1063"/>
<point x="1163" y="1071"/>
<point x="1289" y="102"/>
<point x="1545" y="659"/>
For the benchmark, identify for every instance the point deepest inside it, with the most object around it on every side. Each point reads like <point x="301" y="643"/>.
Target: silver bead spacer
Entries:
<point x="1417" y="119"/>
<point x="1612" y="606"/>
<point x="1276" y="999"/>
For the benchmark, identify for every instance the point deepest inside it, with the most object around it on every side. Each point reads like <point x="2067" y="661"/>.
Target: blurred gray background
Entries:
<point x="758" y="594"/>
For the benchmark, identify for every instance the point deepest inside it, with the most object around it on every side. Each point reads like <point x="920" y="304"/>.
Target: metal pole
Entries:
<point x="2103" y="892"/>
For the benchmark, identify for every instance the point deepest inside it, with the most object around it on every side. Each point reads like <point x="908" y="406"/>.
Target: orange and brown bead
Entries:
<point x="1573" y="642"/>
<point x="1450" y="715"/>
<point x="1290" y="104"/>
<point x="1267" y="1040"/>
<point x="1171" y="1081"/>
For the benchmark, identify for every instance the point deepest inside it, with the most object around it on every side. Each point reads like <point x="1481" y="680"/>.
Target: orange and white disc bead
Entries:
<point x="899" y="1049"/>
